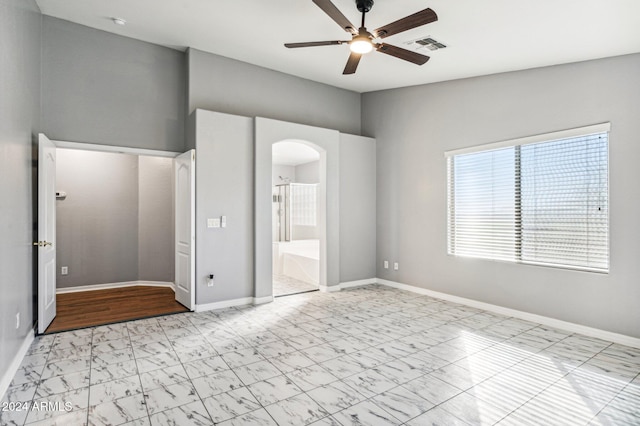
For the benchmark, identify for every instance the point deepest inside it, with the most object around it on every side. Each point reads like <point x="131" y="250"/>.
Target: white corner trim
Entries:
<point x="551" y="322"/>
<point x="115" y="285"/>
<point x="11" y="371"/>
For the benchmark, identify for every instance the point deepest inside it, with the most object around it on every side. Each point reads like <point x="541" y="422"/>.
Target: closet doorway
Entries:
<point x="122" y="237"/>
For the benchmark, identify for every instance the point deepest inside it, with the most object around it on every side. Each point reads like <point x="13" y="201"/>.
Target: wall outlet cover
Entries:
<point x="396" y="266"/>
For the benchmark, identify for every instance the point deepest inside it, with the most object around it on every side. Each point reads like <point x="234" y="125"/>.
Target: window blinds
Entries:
<point x="540" y="203"/>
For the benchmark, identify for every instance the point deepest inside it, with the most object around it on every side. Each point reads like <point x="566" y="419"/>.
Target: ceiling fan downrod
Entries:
<point x="364" y="6"/>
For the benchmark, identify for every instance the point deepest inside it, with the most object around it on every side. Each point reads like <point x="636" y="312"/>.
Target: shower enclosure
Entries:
<point x="295" y="210"/>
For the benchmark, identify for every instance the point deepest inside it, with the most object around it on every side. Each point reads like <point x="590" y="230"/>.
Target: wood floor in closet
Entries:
<point x="99" y="307"/>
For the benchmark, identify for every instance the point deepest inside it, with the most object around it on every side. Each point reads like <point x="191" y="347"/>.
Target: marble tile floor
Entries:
<point x="366" y="356"/>
<point x="284" y="285"/>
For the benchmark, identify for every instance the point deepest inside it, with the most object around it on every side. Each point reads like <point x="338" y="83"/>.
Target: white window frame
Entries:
<point x="546" y="137"/>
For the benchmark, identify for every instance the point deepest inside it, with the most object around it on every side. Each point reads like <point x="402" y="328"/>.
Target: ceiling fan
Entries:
<point x="362" y="41"/>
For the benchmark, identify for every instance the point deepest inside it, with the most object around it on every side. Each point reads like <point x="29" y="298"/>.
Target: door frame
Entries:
<point x="112" y="149"/>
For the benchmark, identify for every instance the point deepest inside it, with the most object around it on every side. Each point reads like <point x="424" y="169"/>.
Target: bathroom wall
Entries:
<point x="308" y="172"/>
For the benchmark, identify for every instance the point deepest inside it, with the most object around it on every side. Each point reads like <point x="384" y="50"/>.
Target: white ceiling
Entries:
<point x="483" y="37"/>
<point x="292" y="153"/>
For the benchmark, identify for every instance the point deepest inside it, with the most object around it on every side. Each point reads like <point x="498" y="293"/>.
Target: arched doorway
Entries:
<point x="297" y="211"/>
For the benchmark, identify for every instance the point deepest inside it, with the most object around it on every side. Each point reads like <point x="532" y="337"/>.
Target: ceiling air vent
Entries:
<point x="427" y="43"/>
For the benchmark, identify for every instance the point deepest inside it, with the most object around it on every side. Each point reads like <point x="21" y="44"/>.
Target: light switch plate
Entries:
<point x="223" y="221"/>
<point x="213" y="222"/>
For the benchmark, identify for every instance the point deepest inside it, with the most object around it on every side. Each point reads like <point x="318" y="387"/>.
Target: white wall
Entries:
<point x="308" y="172"/>
<point x="285" y="171"/>
<point x="414" y="127"/>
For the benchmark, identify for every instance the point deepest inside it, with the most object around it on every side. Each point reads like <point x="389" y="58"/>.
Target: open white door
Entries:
<point x="46" y="232"/>
<point x="185" y="228"/>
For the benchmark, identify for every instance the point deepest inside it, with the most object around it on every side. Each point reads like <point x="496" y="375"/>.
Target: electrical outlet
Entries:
<point x="396" y="266"/>
<point x="210" y="280"/>
<point x="64" y="270"/>
<point x="18" y="320"/>
<point x="386" y="264"/>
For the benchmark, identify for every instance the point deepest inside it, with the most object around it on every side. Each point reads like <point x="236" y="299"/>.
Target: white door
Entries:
<point x="46" y="232"/>
<point x="185" y="228"/>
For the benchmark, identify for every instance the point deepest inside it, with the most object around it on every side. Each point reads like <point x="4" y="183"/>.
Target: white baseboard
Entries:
<point x="358" y="283"/>
<point x="10" y="372"/>
<point x="261" y="300"/>
<point x="114" y="285"/>
<point x="346" y="284"/>
<point x="329" y="288"/>
<point x="551" y="322"/>
<point x="234" y="302"/>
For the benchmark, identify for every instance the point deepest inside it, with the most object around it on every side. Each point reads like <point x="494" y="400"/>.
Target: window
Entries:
<point x="542" y="200"/>
<point x="303" y="204"/>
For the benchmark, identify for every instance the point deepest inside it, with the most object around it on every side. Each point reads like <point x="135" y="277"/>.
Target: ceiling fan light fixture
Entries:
<point x="361" y="45"/>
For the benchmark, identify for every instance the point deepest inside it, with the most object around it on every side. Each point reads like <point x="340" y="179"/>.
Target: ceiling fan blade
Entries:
<point x="412" y="21"/>
<point x="401" y="53"/>
<point x="314" y="43"/>
<point x="335" y="14"/>
<point x="352" y="63"/>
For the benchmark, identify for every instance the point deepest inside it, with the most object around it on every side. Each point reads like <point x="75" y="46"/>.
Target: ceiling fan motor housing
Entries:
<point x="364" y="5"/>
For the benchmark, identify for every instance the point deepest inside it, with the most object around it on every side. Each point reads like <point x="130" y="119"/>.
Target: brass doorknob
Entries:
<point x="42" y="243"/>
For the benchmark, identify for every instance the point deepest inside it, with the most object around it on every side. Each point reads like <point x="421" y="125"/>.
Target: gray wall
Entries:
<point x="102" y="88"/>
<point x="156" y="252"/>
<point x="116" y="224"/>
<point x="357" y="208"/>
<point x="224" y="176"/>
<point x="415" y="126"/>
<point x="226" y="85"/>
<point x="97" y="224"/>
<point x="19" y="121"/>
